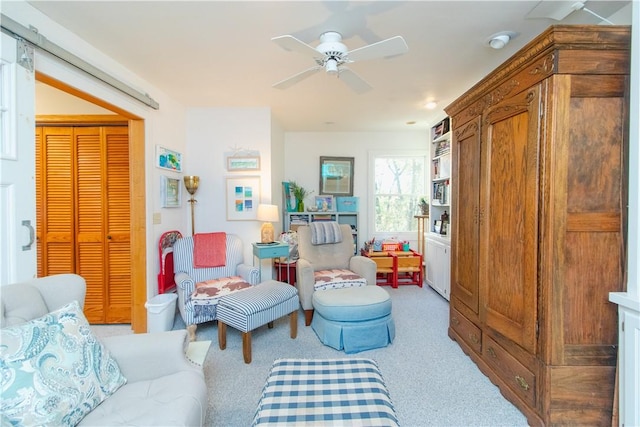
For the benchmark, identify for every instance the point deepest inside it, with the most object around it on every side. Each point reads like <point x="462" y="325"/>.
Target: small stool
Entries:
<point x="251" y="308"/>
<point x="353" y="319"/>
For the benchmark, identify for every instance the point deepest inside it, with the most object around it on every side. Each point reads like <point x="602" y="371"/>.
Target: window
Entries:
<point x="399" y="181"/>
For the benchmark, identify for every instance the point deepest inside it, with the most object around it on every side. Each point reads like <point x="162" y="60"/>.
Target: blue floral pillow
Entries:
<point x="54" y="370"/>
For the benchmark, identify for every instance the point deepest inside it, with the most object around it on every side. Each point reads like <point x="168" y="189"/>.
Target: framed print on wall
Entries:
<point x="336" y="176"/>
<point x="245" y="163"/>
<point x="170" y="192"/>
<point x="168" y="159"/>
<point x="243" y="197"/>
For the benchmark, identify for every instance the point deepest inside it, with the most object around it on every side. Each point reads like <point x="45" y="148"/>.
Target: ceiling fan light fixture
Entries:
<point x="331" y="67"/>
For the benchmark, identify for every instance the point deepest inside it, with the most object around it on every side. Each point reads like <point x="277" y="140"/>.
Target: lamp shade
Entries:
<point x="268" y="213"/>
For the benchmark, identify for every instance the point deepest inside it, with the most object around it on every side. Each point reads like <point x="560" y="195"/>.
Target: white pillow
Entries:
<point x="53" y="370"/>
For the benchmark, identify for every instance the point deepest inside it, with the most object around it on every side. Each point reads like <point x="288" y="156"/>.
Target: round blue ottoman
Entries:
<point x="353" y="319"/>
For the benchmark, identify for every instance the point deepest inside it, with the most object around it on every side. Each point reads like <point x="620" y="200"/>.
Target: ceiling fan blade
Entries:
<point x="292" y="44"/>
<point x="290" y="81"/>
<point x="354" y="81"/>
<point x="385" y="48"/>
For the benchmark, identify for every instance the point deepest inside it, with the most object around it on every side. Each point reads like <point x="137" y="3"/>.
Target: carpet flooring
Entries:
<point x="431" y="381"/>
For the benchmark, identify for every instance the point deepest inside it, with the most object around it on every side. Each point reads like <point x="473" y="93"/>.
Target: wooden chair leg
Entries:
<point x="191" y="330"/>
<point x="246" y="346"/>
<point x="293" y="323"/>
<point x="308" y="316"/>
<point x="222" y="335"/>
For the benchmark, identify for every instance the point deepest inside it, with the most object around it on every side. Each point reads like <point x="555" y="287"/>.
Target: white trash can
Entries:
<point x="161" y="311"/>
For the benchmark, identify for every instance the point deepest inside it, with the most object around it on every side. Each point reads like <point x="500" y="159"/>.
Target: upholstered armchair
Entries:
<point x="328" y="256"/>
<point x="195" y="311"/>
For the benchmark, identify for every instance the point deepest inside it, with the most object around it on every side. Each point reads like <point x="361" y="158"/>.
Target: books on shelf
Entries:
<point x="440" y="193"/>
<point x="442" y="147"/>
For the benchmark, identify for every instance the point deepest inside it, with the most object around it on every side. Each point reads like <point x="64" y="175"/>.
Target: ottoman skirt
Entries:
<point x="353" y="319"/>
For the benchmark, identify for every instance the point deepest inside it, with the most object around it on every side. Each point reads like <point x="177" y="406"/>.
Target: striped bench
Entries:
<point x="254" y="307"/>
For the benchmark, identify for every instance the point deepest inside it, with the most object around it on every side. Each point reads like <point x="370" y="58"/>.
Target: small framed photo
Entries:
<point x="325" y="203"/>
<point x="168" y="159"/>
<point x="437" y="226"/>
<point x="247" y="163"/>
<point x="170" y="192"/>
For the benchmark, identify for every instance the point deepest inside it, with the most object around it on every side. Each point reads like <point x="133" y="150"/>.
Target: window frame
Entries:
<point x="371" y="197"/>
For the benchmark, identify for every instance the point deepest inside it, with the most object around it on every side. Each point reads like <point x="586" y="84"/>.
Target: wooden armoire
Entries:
<point x="83" y="214"/>
<point x="539" y="174"/>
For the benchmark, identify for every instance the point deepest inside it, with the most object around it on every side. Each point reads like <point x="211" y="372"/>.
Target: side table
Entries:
<point x="271" y="250"/>
<point x="286" y="271"/>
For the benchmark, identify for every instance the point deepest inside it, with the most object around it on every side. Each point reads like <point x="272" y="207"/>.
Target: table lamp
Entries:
<point x="267" y="214"/>
<point x="191" y="182"/>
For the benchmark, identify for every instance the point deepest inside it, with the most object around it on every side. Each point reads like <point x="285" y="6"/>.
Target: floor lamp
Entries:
<point x="192" y="182"/>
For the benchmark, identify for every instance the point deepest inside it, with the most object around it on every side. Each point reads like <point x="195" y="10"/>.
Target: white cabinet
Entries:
<point x="438" y="266"/>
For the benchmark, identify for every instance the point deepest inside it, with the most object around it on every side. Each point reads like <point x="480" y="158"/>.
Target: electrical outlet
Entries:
<point x="157" y="218"/>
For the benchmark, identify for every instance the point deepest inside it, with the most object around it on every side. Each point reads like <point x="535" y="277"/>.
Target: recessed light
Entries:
<point x="431" y="105"/>
<point x="500" y="40"/>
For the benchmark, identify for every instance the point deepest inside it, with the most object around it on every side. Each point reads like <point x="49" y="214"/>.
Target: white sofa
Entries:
<point x="162" y="386"/>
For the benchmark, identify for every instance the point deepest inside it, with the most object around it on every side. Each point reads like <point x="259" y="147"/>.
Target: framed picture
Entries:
<point x="170" y="192"/>
<point x="288" y="199"/>
<point x="325" y="203"/>
<point x="243" y="196"/>
<point x="168" y="159"/>
<point x="336" y="176"/>
<point x="249" y="163"/>
<point x="444" y="229"/>
<point x="437" y="226"/>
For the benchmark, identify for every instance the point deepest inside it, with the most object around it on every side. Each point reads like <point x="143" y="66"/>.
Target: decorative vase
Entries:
<point x="300" y="205"/>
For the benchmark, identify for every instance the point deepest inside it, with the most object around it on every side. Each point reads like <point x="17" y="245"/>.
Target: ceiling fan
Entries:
<point x="332" y="55"/>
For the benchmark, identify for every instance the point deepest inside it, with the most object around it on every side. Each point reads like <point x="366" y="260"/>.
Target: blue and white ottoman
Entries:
<point x="253" y="307"/>
<point x="325" y="392"/>
<point x="353" y="319"/>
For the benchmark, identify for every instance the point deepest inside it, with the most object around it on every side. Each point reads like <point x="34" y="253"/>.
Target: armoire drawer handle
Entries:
<point x="522" y="383"/>
<point x="474" y="338"/>
<point x="492" y="352"/>
<point x="455" y="321"/>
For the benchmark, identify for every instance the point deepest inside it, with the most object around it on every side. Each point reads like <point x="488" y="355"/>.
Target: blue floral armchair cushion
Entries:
<point x="54" y="370"/>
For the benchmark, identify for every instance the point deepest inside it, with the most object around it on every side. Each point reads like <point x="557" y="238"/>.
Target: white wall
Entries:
<point x="212" y="133"/>
<point x="166" y="126"/>
<point x="302" y="151"/>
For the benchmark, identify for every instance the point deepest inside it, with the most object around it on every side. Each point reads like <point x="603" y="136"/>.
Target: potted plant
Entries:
<point x="299" y="193"/>
<point x="424" y="206"/>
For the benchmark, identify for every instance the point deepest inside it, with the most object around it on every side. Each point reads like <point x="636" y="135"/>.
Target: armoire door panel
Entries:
<point x="509" y="226"/>
<point x="464" y="246"/>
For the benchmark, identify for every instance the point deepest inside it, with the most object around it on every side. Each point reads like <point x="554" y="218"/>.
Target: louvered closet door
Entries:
<point x="118" y="243"/>
<point x="84" y="211"/>
<point x="55" y="200"/>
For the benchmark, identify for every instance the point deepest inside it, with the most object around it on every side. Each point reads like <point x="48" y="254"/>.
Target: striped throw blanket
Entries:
<point x="323" y="232"/>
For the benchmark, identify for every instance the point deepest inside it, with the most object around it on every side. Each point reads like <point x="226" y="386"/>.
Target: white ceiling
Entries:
<point x="220" y="53"/>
